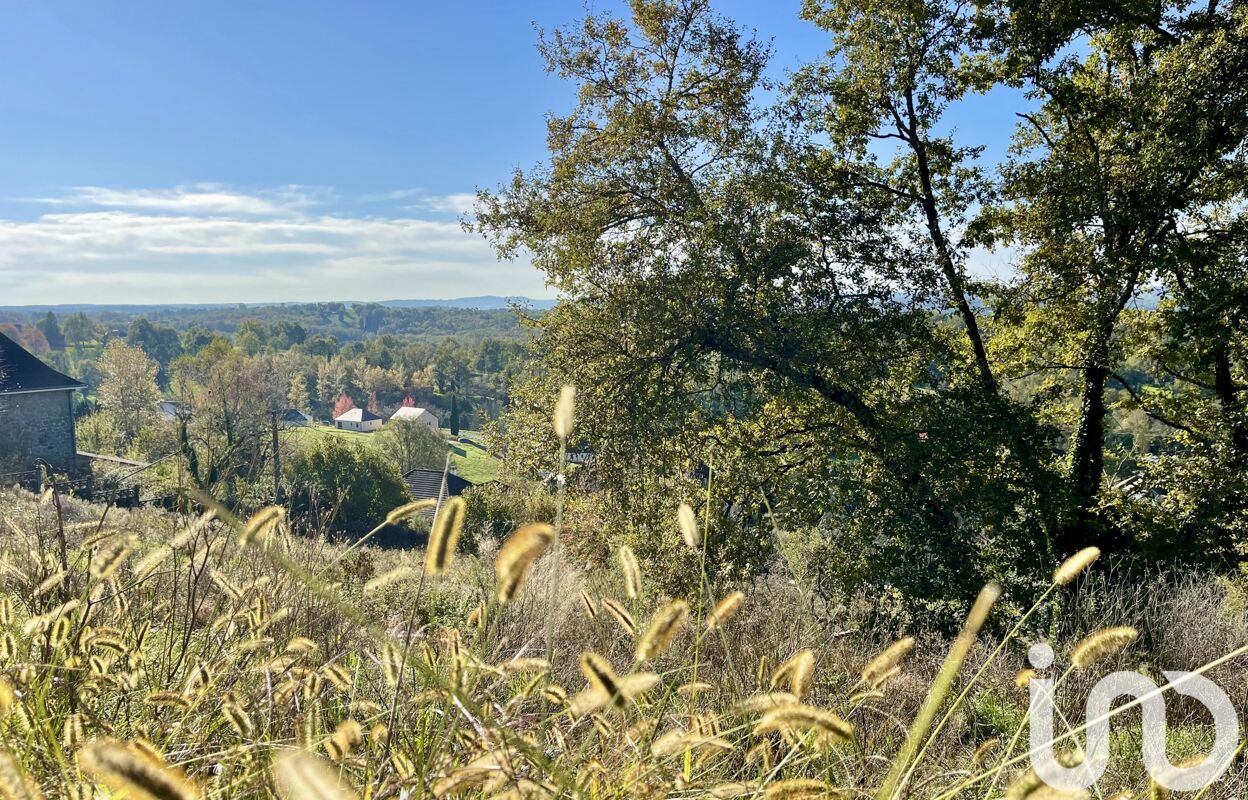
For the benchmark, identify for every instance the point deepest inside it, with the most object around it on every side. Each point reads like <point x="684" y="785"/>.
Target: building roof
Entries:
<point x="426" y="484"/>
<point x="294" y="415"/>
<point x="409" y="412"/>
<point x="20" y="371"/>
<point x="357" y="415"/>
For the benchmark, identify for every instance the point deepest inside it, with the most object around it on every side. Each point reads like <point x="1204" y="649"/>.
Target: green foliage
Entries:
<point x="338" y="487"/>
<point x="128" y="390"/>
<point x="51" y="331"/>
<point x="773" y="282"/>
<point x="495" y="510"/>
<point x="409" y="444"/>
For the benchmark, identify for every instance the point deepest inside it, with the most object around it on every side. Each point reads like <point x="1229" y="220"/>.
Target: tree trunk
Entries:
<point x="1087" y="463"/>
<point x="1229" y="402"/>
<point x="955" y="287"/>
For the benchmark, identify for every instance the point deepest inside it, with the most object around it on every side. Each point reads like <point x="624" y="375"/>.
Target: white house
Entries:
<point x="422" y="415"/>
<point x="358" y="419"/>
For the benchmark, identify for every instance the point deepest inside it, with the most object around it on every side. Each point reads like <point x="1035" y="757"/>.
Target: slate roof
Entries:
<point x="357" y="415"/>
<point x="22" y="372"/>
<point x="426" y="484"/>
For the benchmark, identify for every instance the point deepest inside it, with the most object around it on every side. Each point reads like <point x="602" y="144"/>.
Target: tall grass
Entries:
<point x="153" y="655"/>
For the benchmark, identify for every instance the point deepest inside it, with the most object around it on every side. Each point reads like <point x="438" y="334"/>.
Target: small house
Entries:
<point x="421" y="415"/>
<point x="36" y="411"/>
<point x="360" y="420"/>
<point x="434" y="484"/>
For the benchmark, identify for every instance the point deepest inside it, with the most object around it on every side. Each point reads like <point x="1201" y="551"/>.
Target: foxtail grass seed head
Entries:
<point x="725" y="609"/>
<point x="667" y="623"/>
<point x="879" y="668"/>
<point x="444" y="537"/>
<point x="71" y="732"/>
<point x="758" y="703"/>
<point x="347" y="736"/>
<point x="302" y="776"/>
<point x="109" y="557"/>
<point x="1102" y="644"/>
<point x="565" y="412"/>
<point x="985" y="749"/>
<point x="631" y="570"/>
<point x="391" y="576"/>
<point x="1030" y="786"/>
<point x="798" y="789"/>
<point x="124" y="768"/>
<point x="804" y="719"/>
<point x="59" y="634"/>
<point x="261" y="524"/>
<point x="598" y="672"/>
<point x="405" y="512"/>
<point x="152" y="561"/>
<point x="621" y="616"/>
<point x="688" y="526"/>
<point x="239" y="719"/>
<point x="49" y="583"/>
<point x="338" y="676"/>
<point x="15" y="784"/>
<point x="796" y="672"/>
<point x="517" y="555"/>
<point x="1074" y="566"/>
<point x="391" y="663"/>
<point x="587" y="602"/>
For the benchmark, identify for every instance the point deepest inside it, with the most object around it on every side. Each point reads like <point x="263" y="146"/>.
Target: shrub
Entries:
<point x="339" y="488"/>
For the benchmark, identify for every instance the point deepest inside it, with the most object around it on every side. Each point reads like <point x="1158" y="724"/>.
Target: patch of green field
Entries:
<point x="471" y="461"/>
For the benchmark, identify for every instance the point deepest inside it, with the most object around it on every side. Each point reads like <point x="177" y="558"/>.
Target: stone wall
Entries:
<point x="38" y="428"/>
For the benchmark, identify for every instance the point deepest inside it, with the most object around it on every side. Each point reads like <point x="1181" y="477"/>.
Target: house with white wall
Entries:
<point x="360" y="420"/>
<point x="421" y="415"/>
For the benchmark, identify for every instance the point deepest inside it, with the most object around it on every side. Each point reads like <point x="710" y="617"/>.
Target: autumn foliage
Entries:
<point x="343" y="405"/>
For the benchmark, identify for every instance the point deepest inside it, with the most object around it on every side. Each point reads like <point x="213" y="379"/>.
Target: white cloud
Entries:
<point x="458" y="203"/>
<point x="212" y="244"/>
<point x="202" y="198"/>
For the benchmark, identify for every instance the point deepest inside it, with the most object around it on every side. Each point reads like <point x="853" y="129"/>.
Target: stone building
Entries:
<point x="36" y="412"/>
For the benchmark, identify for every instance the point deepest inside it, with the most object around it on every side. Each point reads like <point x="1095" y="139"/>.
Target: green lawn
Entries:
<point x="470" y="461"/>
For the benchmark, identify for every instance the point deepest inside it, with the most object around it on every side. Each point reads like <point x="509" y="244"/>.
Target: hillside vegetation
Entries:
<point x="199" y="656"/>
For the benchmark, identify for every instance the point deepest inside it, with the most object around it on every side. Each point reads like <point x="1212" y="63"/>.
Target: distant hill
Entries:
<point x="482" y="303"/>
<point x="485" y="302"/>
<point x="469" y="320"/>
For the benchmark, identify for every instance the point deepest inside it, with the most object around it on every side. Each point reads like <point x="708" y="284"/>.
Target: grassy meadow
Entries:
<point x="156" y="654"/>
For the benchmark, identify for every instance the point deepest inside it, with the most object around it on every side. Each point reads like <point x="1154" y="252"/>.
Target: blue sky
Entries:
<point x="233" y="151"/>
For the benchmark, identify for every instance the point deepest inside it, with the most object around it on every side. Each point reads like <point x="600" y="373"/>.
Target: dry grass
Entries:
<point x="162" y="650"/>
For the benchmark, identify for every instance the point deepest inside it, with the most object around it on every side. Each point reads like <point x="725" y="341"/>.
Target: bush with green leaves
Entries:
<point x="337" y="487"/>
